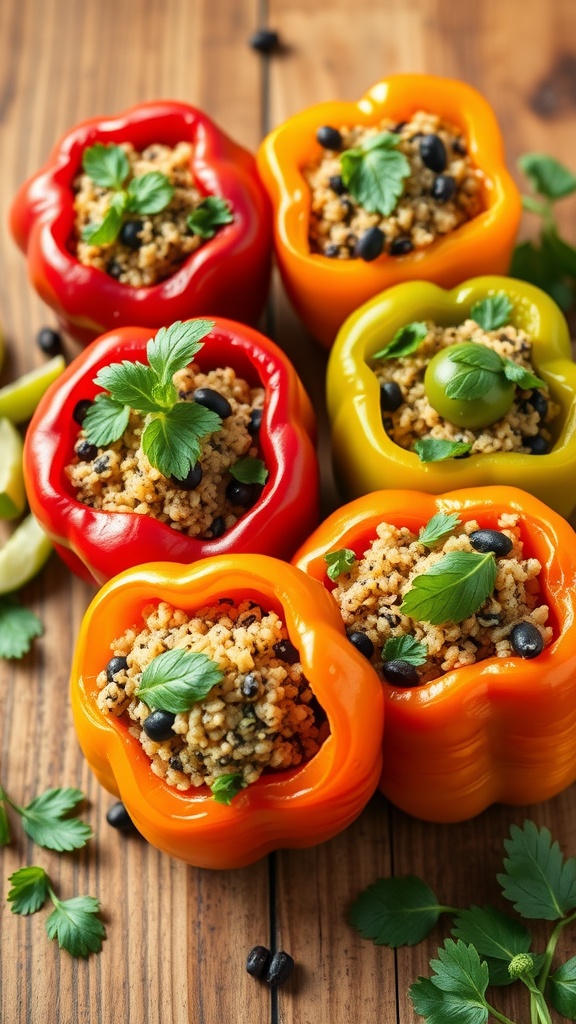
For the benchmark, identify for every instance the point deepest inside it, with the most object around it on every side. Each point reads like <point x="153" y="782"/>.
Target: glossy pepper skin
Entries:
<point x="502" y="730"/>
<point x="227" y="276"/>
<point x="296" y="808"/>
<point x="365" y="457"/>
<point x="97" y="544"/>
<point x="325" y="291"/>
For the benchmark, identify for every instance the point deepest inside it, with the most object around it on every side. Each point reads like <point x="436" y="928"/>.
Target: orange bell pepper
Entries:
<point x="325" y="291"/>
<point x="502" y="730"/>
<point x="295" y="808"/>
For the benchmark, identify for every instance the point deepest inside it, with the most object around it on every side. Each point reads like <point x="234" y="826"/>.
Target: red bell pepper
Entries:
<point x="227" y="276"/>
<point x="97" y="544"/>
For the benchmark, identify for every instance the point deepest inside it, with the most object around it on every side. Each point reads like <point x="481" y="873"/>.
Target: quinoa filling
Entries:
<point x="262" y="716"/>
<point x="524" y="428"/>
<point x="442" y="191"/>
<point x="120" y="478"/>
<point x="370" y="593"/>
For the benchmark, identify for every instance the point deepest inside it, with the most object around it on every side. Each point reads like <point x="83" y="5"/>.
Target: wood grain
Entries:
<point x="177" y="936"/>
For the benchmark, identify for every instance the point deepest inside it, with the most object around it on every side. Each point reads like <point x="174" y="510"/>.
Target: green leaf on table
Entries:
<point x="249" y="470"/>
<point x="45" y="820"/>
<point x="492" y="312"/>
<point x="538" y="880"/>
<point x="29" y="892"/>
<point x="396" y="911"/>
<point x="211" y="213"/>
<point x="438" y="527"/>
<point x="562" y="989"/>
<point x="405" y="648"/>
<point x="226" y="787"/>
<point x="439" y="449"/>
<point x="456" y="992"/>
<point x="406" y="340"/>
<point x="548" y="176"/>
<point x="107" y="165"/>
<point x="496" y="936"/>
<point x="174" y="347"/>
<point x="452" y="589"/>
<point x="18" y="627"/>
<point x="177" y="679"/>
<point x="149" y="193"/>
<point x="339" y="562"/>
<point x="374" y="173"/>
<point x="75" y="925"/>
<point x="106" y="420"/>
<point x="172" y="439"/>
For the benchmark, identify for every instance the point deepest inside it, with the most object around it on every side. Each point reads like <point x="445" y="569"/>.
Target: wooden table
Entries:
<point x="177" y="936"/>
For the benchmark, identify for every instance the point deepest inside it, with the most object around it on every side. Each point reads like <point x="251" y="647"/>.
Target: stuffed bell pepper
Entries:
<point x="145" y="218"/>
<point x="224" y="705"/>
<point x="464" y="605"/>
<point x="197" y="441"/>
<point x="408" y="183"/>
<point x="430" y="390"/>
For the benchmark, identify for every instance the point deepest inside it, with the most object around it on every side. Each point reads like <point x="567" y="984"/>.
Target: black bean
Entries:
<point x="241" y="494"/>
<point x="329" y="138"/>
<point x="444" y="188"/>
<point x="250" y="686"/>
<point x="286" y="651"/>
<point x="491" y="540"/>
<point x="49" y="341"/>
<point x="80" y="409"/>
<point x="218" y="527"/>
<point x="130" y="234"/>
<point x="400" y="673"/>
<point x="114" y="269"/>
<point x="539" y="403"/>
<point x="118" y="817"/>
<point x="362" y="643"/>
<point x="258" y="961"/>
<point x="114" y="666"/>
<point x="391" y="396"/>
<point x="280" y="969"/>
<point x="370" y="244"/>
<point x="400" y="246"/>
<point x="526" y="640"/>
<point x="538" y="445"/>
<point x="254" y="421"/>
<point x="337" y="185"/>
<point x="191" y="480"/>
<point x="433" y="153"/>
<point x="158" y="725"/>
<point x="101" y="464"/>
<point x="86" y="451"/>
<point x="331" y="250"/>
<point x="213" y="400"/>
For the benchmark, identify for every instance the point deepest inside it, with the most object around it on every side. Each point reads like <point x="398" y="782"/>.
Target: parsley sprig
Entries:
<point x="210" y="214"/>
<point x="438" y="527"/>
<point x="108" y="167"/>
<point x="226" y="787"/>
<point x="339" y="562"/>
<point x="46" y="819"/>
<point x="405" y="648"/>
<point x="171" y="438"/>
<point x="73" y="922"/>
<point x="405" y="341"/>
<point x="176" y="679"/>
<point x="492" y="312"/>
<point x="453" y="588"/>
<point x="438" y="449"/>
<point x="489" y="947"/>
<point x="18" y="627"/>
<point x="374" y="172"/>
<point x="479" y="367"/>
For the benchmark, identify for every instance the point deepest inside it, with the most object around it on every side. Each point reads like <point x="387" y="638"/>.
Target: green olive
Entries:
<point x="465" y="412"/>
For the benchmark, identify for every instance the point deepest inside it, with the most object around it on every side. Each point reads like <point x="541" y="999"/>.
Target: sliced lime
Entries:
<point x="12" y="493"/>
<point x="19" y="399"/>
<point x="23" y="555"/>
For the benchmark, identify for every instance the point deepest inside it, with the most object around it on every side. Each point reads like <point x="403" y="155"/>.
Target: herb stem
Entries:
<point x="499" y="1016"/>
<point x="551" y="949"/>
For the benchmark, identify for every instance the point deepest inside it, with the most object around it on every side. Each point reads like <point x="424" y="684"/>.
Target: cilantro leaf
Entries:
<point x="30" y="887"/>
<point x="338" y="562"/>
<point x="438" y="449"/>
<point x="106" y="420"/>
<point x="439" y="526"/>
<point x="226" y="787"/>
<point x="249" y="471"/>
<point x="406" y="340"/>
<point x="174" y="347"/>
<point x="44" y="820"/>
<point x="396" y="911"/>
<point x="149" y="193"/>
<point x="562" y="989"/>
<point x="547" y="176"/>
<point x="492" y="312"/>
<point x="405" y="648"/>
<point x="374" y="173"/>
<point x="176" y="679"/>
<point x="211" y="213"/>
<point x="107" y="165"/>
<point x="431" y="1003"/>
<point x="493" y="933"/>
<point x="75" y="926"/>
<point x="129" y="384"/>
<point x="18" y="627"/>
<point x="522" y="377"/>
<point x="452" y="589"/>
<point x="537" y="879"/>
<point x="171" y="440"/>
<point x="462" y="979"/>
<point x="106" y="231"/>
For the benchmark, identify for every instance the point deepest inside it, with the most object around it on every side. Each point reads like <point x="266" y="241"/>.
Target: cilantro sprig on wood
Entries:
<point x="173" y="430"/>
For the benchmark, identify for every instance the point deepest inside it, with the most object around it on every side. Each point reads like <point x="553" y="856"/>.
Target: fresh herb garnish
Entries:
<point x="249" y="470"/>
<point x="18" y="627"/>
<point x="438" y="527"/>
<point x="338" y="562"/>
<point x="173" y="430"/>
<point x="45" y="819"/>
<point x="210" y="214"/>
<point x="491" y="948"/>
<point x="176" y="679"/>
<point x="438" y="449"/>
<point x="374" y="173"/>
<point x="481" y="368"/>
<point x="406" y="340"/>
<point x="550" y="261"/>
<point x="453" y="588"/>
<point x="109" y="168"/>
<point x="73" y="922"/>
<point x="226" y="787"/>
<point x="492" y="312"/>
<point x="405" y="648"/>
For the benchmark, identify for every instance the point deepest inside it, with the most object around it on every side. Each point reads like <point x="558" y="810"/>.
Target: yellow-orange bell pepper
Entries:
<point x="294" y="808"/>
<point x="504" y="729"/>
<point x="367" y="459"/>
<point x="325" y="291"/>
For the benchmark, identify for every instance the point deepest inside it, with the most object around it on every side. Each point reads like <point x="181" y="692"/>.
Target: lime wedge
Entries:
<point x="23" y="555"/>
<point x="19" y="399"/>
<point x="12" y="493"/>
